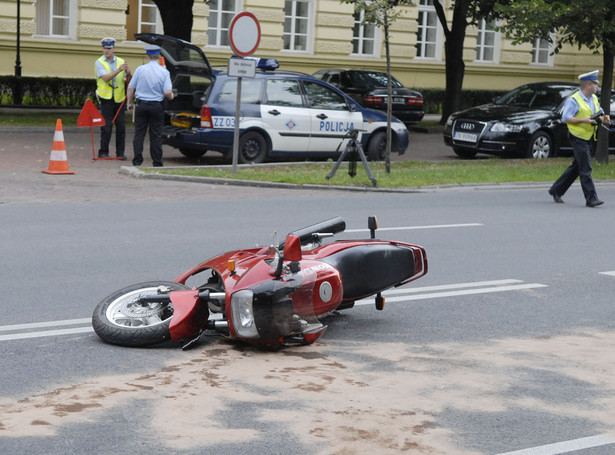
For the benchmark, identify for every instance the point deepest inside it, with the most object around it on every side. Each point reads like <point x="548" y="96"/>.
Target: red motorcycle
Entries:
<point x="270" y="296"/>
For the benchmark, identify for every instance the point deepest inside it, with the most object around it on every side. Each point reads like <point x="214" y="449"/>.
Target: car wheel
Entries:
<point x="192" y="154"/>
<point x="377" y="147"/>
<point x="541" y="146"/>
<point x="252" y="148"/>
<point x="464" y="153"/>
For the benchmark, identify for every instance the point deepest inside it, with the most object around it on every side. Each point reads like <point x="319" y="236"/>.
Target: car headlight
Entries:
<point x="449" y="121"/>
<point x="242" y="312"/>
<point x="506" y="128"/>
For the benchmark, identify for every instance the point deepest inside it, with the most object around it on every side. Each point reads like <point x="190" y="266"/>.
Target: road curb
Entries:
<point x="138" y="173"/>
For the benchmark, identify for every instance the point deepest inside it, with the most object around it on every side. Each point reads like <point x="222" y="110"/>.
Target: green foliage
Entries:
<point x="588" y="23"/>
<point x="46" y="91"/>
<point x="378" y="12"/>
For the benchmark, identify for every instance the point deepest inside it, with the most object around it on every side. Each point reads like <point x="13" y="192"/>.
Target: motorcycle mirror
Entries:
<point x="292" y="248"/>
<point x="372" y="224"/>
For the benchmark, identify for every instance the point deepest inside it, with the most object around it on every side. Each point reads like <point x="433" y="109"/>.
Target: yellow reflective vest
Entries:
<point x="105" y="89"/>
<point x="584" y="130"/>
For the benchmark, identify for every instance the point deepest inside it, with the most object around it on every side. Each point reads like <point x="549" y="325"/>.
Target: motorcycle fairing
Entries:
<point x="190" y="315"/>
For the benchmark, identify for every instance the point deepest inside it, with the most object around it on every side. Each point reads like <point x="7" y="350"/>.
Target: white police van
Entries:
<point x="282" y="113"/>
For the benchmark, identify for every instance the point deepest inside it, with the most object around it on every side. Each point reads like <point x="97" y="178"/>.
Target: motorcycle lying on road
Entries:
<point x="269" y="296"/>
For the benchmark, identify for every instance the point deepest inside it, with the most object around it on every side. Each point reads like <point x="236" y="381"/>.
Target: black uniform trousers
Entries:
<point x="148" y="114"/>
<point x="581" y="167"/>
<point x="108" y="110"/>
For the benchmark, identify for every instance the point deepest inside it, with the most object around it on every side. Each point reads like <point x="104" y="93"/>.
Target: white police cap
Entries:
<point x="151" y="49"/>
<point x="591" y="76"/>
<point x="108" y="43"/>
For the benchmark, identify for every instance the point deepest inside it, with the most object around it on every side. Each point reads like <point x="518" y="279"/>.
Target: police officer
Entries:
<point x="150" y="84"/>
<point x="111" y="73"/>
<point x="577" y="114"/>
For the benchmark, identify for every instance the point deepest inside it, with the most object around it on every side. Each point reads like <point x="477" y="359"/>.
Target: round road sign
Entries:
<point x="244" y="34"/>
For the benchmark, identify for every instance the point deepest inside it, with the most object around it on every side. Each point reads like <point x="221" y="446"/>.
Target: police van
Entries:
<point x="282" y="113"/>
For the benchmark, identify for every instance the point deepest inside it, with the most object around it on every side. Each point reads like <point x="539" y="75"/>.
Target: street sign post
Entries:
<point x="244" y="38"/>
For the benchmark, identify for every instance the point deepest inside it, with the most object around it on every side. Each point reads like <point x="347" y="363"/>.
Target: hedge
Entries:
<point x="72" y="93"/>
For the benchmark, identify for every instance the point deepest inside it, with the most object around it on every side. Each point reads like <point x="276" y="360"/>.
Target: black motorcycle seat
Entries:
<point x="368" y="269"/>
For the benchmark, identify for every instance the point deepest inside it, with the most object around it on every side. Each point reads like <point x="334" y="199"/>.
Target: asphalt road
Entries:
<point x="506" y="345"/>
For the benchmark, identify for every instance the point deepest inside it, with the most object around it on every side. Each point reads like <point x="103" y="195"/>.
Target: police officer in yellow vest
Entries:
<point x="577" y="113"/>
<point x="111" y="73"/>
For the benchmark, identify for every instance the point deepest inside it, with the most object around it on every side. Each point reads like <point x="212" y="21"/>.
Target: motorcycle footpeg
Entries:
<point x="191" y="343"/>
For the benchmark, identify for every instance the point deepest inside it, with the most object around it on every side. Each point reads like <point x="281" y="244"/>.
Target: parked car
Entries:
<point x="369" y="89"/>
<point x="282" y="113"/>
<point x="524" y="122"/>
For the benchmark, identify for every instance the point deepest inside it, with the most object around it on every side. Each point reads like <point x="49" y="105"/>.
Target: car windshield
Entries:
<point x="371" y="79"/>
<point x="547" y="97"/>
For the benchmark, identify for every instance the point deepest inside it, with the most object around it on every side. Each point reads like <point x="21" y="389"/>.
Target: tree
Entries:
<point x="588" y="23"/>
<point x="465" y="13"/>
<point x="176" y="17"/>
<point x="382" y="14"/>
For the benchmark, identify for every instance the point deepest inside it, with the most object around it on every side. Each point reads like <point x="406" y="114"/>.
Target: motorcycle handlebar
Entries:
<point x="330" y="226"/>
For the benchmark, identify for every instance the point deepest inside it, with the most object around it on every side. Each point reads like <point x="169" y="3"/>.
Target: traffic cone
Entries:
<point x="58" y="164"/>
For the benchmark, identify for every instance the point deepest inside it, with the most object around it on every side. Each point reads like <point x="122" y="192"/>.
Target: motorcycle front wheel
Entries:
<point x="122" y="320"/>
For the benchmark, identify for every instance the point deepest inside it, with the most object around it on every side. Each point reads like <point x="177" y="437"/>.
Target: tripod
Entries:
<point x="355" y="150"/>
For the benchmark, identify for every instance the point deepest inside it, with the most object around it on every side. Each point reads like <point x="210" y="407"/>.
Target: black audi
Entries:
<point x="524" y="122"/>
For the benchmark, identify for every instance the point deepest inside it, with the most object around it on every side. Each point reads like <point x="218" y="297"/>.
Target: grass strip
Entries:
<point x="403" y="174"/>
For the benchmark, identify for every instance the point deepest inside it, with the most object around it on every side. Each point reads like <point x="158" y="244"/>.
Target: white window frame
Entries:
<point x="218" y="28"/>
<point x="292" y="33"/>
<point x="361" y="39"/>
<point x="45" y="17"/>
<point x="428" y="11"/>
<point x="538" y="47"/>
<point x="158" y="28"/>
<point x="486" y="29"/>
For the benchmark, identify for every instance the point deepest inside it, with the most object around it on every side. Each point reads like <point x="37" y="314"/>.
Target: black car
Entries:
<point x="369" y="89"/>
<point x="524" y="122"/>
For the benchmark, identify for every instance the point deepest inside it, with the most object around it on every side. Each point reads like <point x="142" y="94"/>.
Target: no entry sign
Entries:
<point x="244" y="34"/>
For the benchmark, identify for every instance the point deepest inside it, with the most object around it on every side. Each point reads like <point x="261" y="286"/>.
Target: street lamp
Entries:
<point x="17" y="87"/>
<point x="17" y="60"/>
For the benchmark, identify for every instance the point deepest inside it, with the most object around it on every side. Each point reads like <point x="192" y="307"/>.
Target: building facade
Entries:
<point x="62" y="38"/>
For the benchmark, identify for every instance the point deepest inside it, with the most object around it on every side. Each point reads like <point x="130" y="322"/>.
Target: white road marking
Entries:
<point x="608" y="273"/>
<point x="46" y="333"/>
<point x="499" y="287"/>
<point x="408" y="228"/>
<point x="24" y="331"/>
<point x="567" y="446"/>
<point x="38" y="325"/>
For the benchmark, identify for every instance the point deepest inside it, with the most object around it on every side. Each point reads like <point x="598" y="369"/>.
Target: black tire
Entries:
<point x="146" y="326"/>
<point x="252" y="148"/>
<point x="541" y="146"/>
<point x="192" y="154"/>
<point x="377" y="146"/>
<point x="464" y="153"/>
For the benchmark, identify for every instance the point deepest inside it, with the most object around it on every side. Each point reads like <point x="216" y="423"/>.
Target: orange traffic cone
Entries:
<point x="58" y="164"/>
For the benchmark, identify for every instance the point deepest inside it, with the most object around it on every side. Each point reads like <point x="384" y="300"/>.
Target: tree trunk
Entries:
<point x="453" y="50"/>
<point x="176" y="17"/>
<point x="602" y="147"/>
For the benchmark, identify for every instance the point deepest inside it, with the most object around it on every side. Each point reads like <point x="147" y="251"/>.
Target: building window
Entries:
<point x="363" y="37"/>
<point x="52" y="18"/>
<point x="297" y="25"/>
<point x="221" y="14"/>
<point x="542" y="52"/>
<point x="427" y="34"/>
<point x="487" y="42"/>
<point x="142" y="16"/>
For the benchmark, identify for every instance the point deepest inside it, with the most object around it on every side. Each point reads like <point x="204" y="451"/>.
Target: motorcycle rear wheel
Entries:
<point x="119" y="320"/>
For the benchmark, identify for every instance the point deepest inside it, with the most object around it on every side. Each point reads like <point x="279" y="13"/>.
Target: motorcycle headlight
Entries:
<point x="242" y="312"/>
<point x="506" y="128"/>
